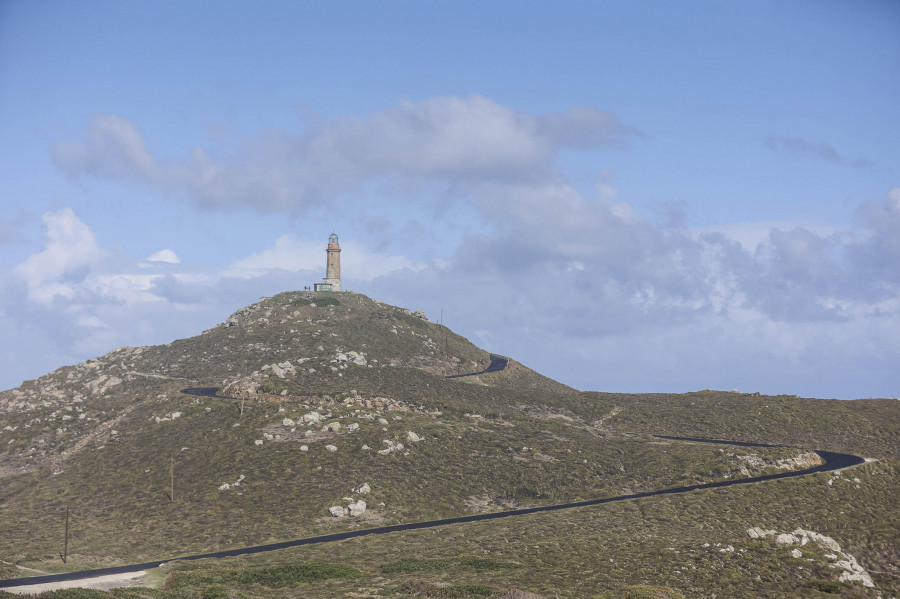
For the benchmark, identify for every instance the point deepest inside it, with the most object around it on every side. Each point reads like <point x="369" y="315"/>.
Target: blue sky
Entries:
<point x="626" y="196"/>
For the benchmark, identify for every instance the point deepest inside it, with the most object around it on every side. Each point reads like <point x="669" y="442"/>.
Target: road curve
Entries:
<point x="832" y="461"/>
<point x="497" y="364"/>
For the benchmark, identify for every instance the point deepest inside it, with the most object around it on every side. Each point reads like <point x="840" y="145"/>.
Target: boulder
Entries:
<point x="331" y="448"/>
<point x="288" y="422"/>
<point x="258" y="442"/>
<point x="356" y="358"/>
<point x="312" y="417"/>
<point x="786" y="539"/>
<point x="412" y="437"/>
<point x="357" y="508"/>
<point x="337" y="511"/>
<point x="364" y="489"/>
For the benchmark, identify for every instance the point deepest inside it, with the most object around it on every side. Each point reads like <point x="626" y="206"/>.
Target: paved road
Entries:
<point x="833" y="461"/>
<point x="497" y="364"/>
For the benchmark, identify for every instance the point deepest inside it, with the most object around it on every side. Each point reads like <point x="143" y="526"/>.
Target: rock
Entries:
<point x="420" y="314"/>
<point x="337" y="511"/>
<point x="175" y="415"/>
<point x="353" y="426"/>
<point x="391" y="447"/>
<point x="312" y="417"/>
<point x="786" y="539"/>
<point x="365" y="447"/>
<point x="363" y="490"/>
<point x="331" y="448"/>
<point x="357" y="508"/>
<point x="758" y="533"/>
<point x="304" y="448"/>
<point x="412" y="437"/>
<point x="823" y="540"/>
<point x="357" y="358"/>
<point x="258" y="442"/>
<point x="268" y="437"/>
<point x="331" y="426"/>
<point x="382" y="421"/>
<point x="281" y="370"/>
<point x="796" y="553"/>
<point x="288" y="422"/>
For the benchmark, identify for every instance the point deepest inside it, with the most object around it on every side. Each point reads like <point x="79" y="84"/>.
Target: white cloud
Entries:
<point x="453" y="138"/>
<point x="70" y="249"/>
<point x="165" y="255"/>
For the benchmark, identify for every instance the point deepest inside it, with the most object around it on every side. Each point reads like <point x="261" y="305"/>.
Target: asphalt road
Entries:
<point x="497" y="364"/>
<point x="833" y="461"/>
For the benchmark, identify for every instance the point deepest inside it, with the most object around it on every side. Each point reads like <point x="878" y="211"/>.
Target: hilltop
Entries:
<point x="309" y="412"/>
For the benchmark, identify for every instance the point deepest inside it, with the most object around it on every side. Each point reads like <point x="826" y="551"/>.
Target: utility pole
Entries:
<point x="65" y="554"/>
<point x="172" y="479"/>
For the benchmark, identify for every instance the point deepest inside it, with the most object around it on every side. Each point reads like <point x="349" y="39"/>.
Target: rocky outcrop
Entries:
<point x="802" y="461"/>
<point x="280" y="370"/>
<point x="391" y="447"/>
<point x="851" y="570"/>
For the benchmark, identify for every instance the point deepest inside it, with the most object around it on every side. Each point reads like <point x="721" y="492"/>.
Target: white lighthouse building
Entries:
<point x="332" y="280"/>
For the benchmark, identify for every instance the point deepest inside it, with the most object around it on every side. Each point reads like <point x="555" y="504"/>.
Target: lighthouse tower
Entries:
<point x="332" y="280"/>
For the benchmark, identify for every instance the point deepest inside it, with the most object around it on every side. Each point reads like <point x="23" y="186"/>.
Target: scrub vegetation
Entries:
<point x="329" y="399"/>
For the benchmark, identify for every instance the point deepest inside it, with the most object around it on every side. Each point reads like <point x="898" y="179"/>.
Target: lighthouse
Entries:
<point x="332" y="280"/>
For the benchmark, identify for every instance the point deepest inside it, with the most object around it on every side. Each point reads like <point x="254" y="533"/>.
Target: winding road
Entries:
<point x="832" y="461"/>
<point x="497" y="364"/>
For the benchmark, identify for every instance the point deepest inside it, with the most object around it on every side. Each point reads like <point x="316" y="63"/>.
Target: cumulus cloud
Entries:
<point x="606" y="300"/>
<point x="70" y="249"/>
<point x="470" y="138"/>
<point x="814" y="150"/>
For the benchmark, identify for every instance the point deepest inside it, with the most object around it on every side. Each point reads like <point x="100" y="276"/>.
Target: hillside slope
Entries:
<point x="338" y="404"/>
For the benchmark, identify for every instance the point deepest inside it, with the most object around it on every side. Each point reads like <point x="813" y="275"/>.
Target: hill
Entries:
<point x="326" y="402"/>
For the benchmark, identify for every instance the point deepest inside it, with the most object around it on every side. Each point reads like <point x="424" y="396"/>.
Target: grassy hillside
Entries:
<point x="337" y="398"/>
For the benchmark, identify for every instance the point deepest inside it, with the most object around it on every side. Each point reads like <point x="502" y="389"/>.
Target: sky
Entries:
<point x="625" y="196"/>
